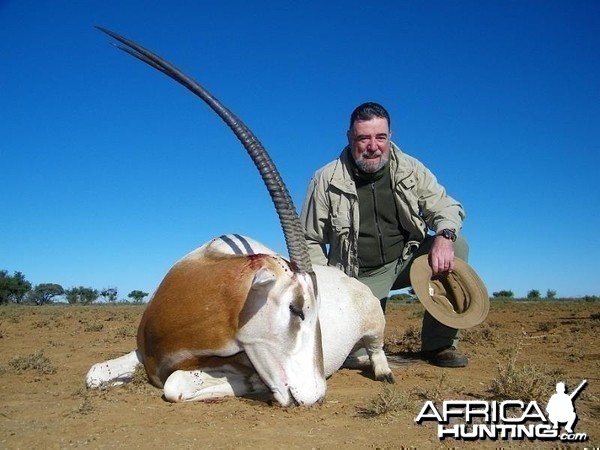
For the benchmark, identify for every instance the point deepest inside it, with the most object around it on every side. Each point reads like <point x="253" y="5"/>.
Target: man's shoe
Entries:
<point x="446" y="357"/>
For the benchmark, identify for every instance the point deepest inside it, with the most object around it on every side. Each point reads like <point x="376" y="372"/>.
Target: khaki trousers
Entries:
<point x="396" y="275"/>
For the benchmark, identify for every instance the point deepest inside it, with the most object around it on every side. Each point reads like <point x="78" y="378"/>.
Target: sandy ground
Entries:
<point x="45" y="353"/>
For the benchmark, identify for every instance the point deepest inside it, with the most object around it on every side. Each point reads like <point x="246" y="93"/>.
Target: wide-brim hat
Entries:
<point x="458" y="299"/>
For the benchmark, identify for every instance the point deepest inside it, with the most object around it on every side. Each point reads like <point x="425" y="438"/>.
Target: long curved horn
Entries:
<point x="288" y="217"/>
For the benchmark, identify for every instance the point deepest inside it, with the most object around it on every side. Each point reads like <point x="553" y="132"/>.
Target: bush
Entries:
<point x="389" y="401"/>
<point x="503" y="294"/>
<point x="36" y="361"/>
<point x="403" y="297"/>
<point x="527" y="382"/>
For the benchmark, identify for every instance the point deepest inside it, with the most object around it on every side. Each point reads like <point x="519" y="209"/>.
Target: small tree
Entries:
<point x="503" y="294"/>
<point x="45" y="292"/>
<point x="72" y="295"/>
<point x="88" y="295"/>
<point x="13" y="288"/>
<point x="550" y="293"/>
<point x="533" y="294"/>
<point x="81" y="295"/>
<point x="137" y="296"/>
<point x="109" y="294"/>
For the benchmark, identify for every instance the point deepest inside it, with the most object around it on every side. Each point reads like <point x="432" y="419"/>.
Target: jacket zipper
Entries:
<point x="379" y="234"/>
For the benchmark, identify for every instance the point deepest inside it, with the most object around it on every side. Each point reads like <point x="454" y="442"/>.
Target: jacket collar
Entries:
<point x="342" y="178"/>
<point x="396" y="159"/>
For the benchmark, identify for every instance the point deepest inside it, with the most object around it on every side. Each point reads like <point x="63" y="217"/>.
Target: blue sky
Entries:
<point x="111" y="171"/>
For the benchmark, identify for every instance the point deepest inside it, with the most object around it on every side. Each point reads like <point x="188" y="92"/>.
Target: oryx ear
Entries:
<point x="263" y="277"/>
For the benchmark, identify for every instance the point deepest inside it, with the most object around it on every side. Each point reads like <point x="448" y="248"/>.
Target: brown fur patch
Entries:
<point x="196" y="307"/>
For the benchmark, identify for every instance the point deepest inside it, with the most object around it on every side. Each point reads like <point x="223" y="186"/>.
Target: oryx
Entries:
<point x="234" y="318"/>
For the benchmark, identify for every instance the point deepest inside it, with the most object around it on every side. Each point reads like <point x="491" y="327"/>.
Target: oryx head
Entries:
<point x="279" y="326"/>
<point x="279" y="331"/>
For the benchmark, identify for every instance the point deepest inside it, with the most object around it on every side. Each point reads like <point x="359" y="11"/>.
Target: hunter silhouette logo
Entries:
<point x="510" y="419"/>
<point x="560" y="407"/>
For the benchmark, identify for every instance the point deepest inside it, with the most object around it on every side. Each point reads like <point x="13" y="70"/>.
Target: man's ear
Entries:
<point x="349" y="137"/>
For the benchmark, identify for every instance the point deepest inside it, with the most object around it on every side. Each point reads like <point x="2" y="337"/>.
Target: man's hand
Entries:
<point x="441" y="256"/>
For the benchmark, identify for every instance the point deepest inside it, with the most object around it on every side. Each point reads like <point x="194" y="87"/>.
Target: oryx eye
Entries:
<point x="297" y="311"/>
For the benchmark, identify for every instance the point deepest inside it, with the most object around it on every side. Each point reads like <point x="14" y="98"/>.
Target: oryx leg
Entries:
<point x="113" y="372"/>
<point x="225" y="381"/>
<point x="379" y="362"/>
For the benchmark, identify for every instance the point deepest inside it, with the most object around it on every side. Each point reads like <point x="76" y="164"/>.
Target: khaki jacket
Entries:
<point x="330" y="214"/>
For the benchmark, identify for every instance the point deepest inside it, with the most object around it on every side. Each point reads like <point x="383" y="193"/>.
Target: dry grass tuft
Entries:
<point x="388" y="401"/>
<point x="527" y="382"/>
<point x="86" y="407"/>
<point x="139" y="383"/>
<point x="544" y="327"/>
<point x="408" y="341"/>
<point x="36" y="361"/>
<point x="486" y="334"/>
<point x="91" y="326"/>
<point x="139" y="376"/>
<point x="442" y="390"/>
<point x="127" y="332"/>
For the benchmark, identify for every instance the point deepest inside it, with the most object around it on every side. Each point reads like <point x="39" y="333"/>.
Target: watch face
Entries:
<point x="449" y="234"/>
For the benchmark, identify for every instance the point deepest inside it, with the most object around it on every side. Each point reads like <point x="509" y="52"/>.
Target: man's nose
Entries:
<point x="372" y="144"/>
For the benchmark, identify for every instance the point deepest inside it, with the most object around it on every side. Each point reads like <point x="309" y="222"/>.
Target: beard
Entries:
<point x="369" y="165"/>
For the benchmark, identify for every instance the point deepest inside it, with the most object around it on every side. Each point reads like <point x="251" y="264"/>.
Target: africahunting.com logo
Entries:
<point x="511" y="419"/>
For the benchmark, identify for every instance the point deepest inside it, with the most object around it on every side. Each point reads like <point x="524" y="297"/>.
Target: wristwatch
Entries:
<point x="448" y="234"/>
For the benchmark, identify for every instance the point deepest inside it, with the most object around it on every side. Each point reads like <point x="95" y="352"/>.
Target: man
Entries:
<point x="560" y="408"/>
<point x="369" y="213"/>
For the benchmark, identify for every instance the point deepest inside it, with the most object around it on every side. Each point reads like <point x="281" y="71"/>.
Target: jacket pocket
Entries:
<point x="409" y="182"/>
<point x="340" y="224"/>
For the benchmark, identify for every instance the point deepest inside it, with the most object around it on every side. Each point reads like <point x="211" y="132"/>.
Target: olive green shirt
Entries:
<point x="380" y="235"/>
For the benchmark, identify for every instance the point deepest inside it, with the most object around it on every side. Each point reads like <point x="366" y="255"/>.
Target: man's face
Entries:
<point x="370" y="143"/>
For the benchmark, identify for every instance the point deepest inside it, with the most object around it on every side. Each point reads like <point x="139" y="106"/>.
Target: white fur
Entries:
<point x="113" y="372"/>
